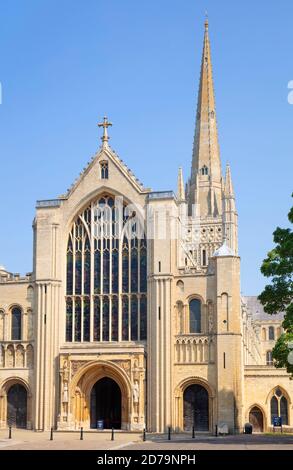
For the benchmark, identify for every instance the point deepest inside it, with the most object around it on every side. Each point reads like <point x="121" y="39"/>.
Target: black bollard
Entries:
<point x="112" y="437"/>
<point x="81" y="434"/>
<point x="216" y="430"/>
<point x="144" y="435"/>
<point x="193" y="432"/>
<point x="169" y="434"/>
<point x="9" y="433"/>
<point x="51" y="435"/>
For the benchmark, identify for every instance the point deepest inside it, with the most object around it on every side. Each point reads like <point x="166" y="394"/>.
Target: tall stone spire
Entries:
<point x="180" y="186"/>
<point x="205" y="181"/>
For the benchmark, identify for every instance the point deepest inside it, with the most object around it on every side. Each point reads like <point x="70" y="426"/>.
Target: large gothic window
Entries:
<point x="279" y="406"/>
<point x="106" y="288"/>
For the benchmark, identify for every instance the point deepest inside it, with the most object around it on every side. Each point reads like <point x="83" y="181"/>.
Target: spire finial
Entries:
<point x="180" y="186"/>
<point x="105" y="124"/>
<point x="206" y="23"/>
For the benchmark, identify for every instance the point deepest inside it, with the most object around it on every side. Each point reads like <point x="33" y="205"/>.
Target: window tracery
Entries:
<point x="106" y="275"/>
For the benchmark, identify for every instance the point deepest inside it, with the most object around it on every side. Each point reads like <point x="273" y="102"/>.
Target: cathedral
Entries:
<point x="132" y="317"/>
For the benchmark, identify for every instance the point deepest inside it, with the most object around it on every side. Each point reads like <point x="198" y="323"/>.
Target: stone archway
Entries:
<point x="106" y="401"/>
<point x="81" y="394"/>
<point x="256" y="419"/>
<point x="15" y="404"/>
<point x="194" y="405"/>
<point x="196" y="408"/>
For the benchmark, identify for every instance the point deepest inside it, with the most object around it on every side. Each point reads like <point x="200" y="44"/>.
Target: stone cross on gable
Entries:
<point x="105" y="124"/>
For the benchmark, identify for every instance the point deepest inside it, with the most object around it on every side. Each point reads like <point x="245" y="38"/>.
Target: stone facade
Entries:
<point x="79" y="321"/>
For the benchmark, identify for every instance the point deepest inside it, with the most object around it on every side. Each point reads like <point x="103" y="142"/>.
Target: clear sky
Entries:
<point x="64" y="64"/>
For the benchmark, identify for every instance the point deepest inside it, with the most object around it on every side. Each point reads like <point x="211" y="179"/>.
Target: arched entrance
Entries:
<point x="17" y="406"/>
<point x="256" y="419"/>
<point x="196" y="408"/>
<point x="106" y="404"/>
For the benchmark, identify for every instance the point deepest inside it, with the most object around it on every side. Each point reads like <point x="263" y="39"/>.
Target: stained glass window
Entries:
<point x="77" y="320"/>
<point x="279" y="406"/>
<point x="125" y="318"/>
<point x="69" y="284"/>
<point x="134" y="317"/>
<point x="106" y="324"/>
<point x="114" y="322"/>
<point x="143" y="317"/>
<point x="69" y="319"/>
<point x="86" y="319"/>
<point x="97" y="319"/>
<point x="125" y="266"/>
<point x="106" y="262"/>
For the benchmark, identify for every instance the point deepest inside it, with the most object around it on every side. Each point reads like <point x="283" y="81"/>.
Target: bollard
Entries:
<point x="193" y="432"/>
<point x="81" y="434"/>
<point x="216" y="430"/>
<point x="169" y="434"/>
<point x="144" y="435"/>
<point x="51" y="435"/>
<point x="112" y="437"/>
<point x="9" y="434"/>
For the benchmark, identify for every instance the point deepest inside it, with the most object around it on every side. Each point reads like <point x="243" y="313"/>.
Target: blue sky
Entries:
<point x="64" y="64"/>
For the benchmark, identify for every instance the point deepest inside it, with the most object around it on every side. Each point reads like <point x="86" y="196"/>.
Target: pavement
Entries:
<point x="30" y="440"/>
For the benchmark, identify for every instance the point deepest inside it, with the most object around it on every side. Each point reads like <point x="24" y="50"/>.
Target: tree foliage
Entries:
<point x="278" y="295"/>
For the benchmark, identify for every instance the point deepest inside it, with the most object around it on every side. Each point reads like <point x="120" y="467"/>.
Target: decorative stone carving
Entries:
<point x="65" y="392"/>
<point x="76" y="365"/>
<point x="135" y="392"/>
<point x="10" y="356"/>
<point x="19" y="356"/>
<point x="30" y="356"/>
<point x="125" y="365"/>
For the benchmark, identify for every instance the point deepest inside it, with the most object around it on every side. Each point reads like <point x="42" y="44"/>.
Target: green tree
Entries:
<point x="278" y="295"/>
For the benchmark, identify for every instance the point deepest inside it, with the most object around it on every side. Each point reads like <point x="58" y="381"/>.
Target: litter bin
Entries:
<point x="100" y="424"/>
<point x="247" y="428"/>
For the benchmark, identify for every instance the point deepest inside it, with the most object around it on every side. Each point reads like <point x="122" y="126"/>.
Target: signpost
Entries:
<point x="277" y="423"/>
<point x="100" y="424"/>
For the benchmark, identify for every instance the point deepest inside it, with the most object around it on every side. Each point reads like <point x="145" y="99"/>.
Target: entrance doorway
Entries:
<point x="17" y="406"/>
<point x="106" y="404"/>
<point x="256" y="419"/>
<point x="196" y="408"/>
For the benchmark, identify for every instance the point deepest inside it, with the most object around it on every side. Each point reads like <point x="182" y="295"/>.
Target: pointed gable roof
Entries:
<point x="106" y="152"/>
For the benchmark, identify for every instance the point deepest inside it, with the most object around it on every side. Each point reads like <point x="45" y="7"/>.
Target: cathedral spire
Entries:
<point x="180" y="186"/>
<point x="206" y="156"/>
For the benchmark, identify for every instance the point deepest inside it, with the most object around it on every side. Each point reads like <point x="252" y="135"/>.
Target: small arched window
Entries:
<point x="104" y="170"/>
<point x="16" y="323"/>
<point x="269" y="358"/>
<point x="204" y="258"/>
<point x="204" y="170"/>
<point x="195" y="316"/>
<point x="271" y="333"/>
<point x="279" y="406"/>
